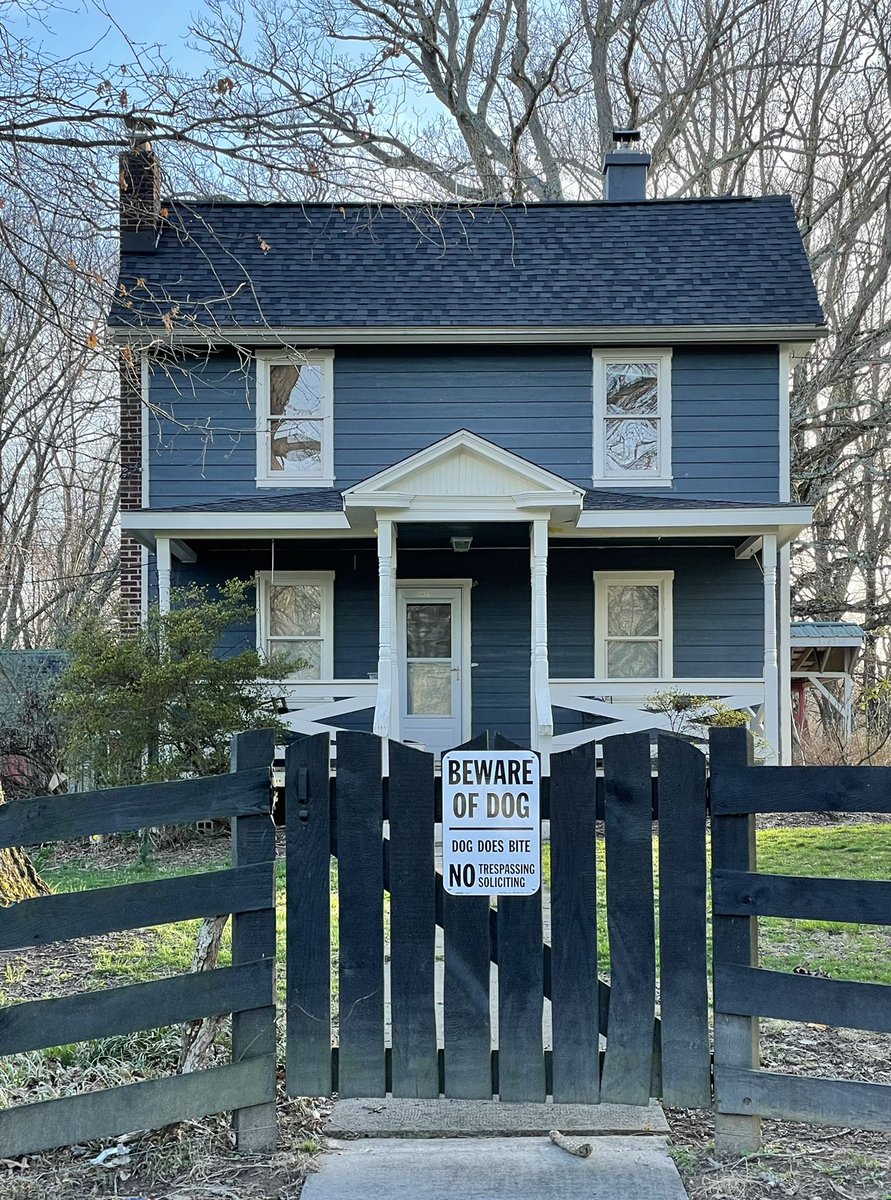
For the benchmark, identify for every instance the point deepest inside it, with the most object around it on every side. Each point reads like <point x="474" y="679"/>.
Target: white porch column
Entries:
<point x="771" y="655"/>
<point x="163" y="553"/>
<point x="386" y="574"/>
<point x="542" y="719"/>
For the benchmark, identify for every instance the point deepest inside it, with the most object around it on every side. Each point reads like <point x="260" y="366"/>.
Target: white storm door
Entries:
<point x="431" y="664"/>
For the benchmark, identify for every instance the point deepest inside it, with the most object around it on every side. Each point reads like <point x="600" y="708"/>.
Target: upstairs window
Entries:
<point x="632" y="418"/>
<point x="295" y="616"/>
<point x="295" y="419"/>
<point x="633" y="625"/>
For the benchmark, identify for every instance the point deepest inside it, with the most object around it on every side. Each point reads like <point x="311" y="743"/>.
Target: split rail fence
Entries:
<point x="246" y="988"/>
<point x="743" y="991"/>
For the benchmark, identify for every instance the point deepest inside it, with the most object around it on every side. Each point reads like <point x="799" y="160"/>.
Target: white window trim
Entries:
<point x="322" y="579"/>
<point x="265" y="359"/>
<point x="662" y="358"/>
<point x="664" y="580"/>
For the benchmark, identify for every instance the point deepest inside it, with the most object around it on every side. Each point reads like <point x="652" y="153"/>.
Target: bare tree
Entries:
<point x="58" y="456"/>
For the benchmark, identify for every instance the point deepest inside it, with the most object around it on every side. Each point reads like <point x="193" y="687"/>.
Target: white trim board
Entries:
<point x="785" y="433"/>
<point x="592" y="335"/>
<point x="144" y="428"/>
<point x="146" y="526"/>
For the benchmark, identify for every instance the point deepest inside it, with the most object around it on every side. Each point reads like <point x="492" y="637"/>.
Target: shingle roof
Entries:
<point x="309" y="500"/>
<point x="601" y="498"/>
<point x="716" y="261"/>
<point x="305" y="500"/>
<point x="816" y="631"/>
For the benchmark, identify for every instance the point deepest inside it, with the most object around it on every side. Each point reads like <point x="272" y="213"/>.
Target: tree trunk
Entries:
<point x="18" y="878"/>
<point x="198" y="1036"/>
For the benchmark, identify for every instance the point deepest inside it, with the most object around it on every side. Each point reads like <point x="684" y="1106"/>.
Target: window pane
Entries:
<point x="632" y="388"/>
<point x="632" y="444"/>
<point x="306" y="656"/>
<point x="295" y="390"/>
<point x="633" y="611"/>
<point x="295" y="446"/>
<point x="428" y="630"/>
<point x="295" y="608"/>
<point x="429" y="689"/>
<point x="632" y="660"/>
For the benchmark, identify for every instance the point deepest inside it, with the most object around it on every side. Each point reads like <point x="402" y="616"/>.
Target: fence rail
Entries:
<point x="743" y="991"/>
<point x="246" y="989"/>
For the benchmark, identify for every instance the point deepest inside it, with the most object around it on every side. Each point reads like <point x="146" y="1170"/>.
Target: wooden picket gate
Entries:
<point x="423" y="979"/>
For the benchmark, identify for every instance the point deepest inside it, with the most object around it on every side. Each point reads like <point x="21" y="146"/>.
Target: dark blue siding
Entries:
<point x="718" y="610"/>
<point x="725" y="422"/>
<point x="535" y="401"/>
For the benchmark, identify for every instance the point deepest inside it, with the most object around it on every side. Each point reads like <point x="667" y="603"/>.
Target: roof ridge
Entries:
<point x="465" y="206"/>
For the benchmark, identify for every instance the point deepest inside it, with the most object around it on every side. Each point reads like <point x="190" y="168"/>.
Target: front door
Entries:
<point x="431" y="665"/>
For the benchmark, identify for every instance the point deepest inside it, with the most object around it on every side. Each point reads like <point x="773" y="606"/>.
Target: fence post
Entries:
<point x="735" y="941"/>
<point x="253" y="937"/>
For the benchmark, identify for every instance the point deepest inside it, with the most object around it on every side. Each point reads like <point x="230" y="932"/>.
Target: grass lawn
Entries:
<point x="861" y="952"/>
<point x="843" y="951"/>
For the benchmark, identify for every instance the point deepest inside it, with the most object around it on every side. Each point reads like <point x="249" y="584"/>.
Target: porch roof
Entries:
<point x="315" y="500"/>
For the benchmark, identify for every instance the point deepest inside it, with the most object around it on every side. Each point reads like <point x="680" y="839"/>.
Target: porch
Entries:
<point x="466" y="589"/>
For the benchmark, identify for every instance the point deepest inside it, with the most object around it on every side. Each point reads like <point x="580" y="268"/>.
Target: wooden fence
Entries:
<point x="743" y="991"/>
<point x="346" y="817"/>
<point x="246" y="988"/>
<point x="381" y="831"/>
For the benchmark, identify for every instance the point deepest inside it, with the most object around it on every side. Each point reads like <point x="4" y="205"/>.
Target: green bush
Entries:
<point x="161" y="702"/>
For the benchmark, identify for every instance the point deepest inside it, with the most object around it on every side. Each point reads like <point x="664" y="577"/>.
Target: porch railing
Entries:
<point x="315" y="706"/>
<point x="621" y="707"/>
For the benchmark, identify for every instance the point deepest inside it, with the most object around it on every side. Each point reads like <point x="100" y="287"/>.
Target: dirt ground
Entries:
<point x="192" y="1161"/>
<point x="797" y="1162"/>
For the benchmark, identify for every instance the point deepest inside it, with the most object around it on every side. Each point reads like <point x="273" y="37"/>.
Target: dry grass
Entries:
<point x="822" y="749"/>
<point x="192" y="1161"/>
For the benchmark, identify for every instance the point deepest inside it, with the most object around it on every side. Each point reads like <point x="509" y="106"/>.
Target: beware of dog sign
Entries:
<point x="491" y="826"/>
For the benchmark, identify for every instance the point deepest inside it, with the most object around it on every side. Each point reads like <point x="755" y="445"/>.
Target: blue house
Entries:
<point x="491" y="466"/>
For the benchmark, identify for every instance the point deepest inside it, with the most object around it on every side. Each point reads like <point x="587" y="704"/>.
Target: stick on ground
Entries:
<point x="580" y="1149"/>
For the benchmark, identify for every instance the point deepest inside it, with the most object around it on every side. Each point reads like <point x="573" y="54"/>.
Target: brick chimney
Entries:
<point x="140" y="198"/>
<point x="624" y="168"/>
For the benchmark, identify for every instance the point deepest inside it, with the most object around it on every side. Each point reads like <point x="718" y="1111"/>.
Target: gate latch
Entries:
<point x="302" y="793"/>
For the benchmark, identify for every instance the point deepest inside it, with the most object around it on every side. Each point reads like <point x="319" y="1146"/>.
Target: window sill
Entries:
<point x="631" y="481"/>
<point x="293" y="483"/>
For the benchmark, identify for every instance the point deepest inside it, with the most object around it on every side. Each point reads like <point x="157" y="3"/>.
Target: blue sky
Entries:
<point x="83" y="30"/>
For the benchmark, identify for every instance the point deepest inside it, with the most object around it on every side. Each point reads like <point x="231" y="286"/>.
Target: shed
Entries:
<point x="823" y="654"/>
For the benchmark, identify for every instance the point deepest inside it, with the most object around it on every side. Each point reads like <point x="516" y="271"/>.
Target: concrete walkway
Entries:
<point x="458" y="1150"/>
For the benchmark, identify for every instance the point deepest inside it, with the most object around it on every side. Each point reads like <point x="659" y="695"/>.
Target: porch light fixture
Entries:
<point x="461" y="544"/>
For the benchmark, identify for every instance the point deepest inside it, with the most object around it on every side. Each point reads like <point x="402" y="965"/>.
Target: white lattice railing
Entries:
<point x="621" y="706"/>
<point x="314" y="707"/>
